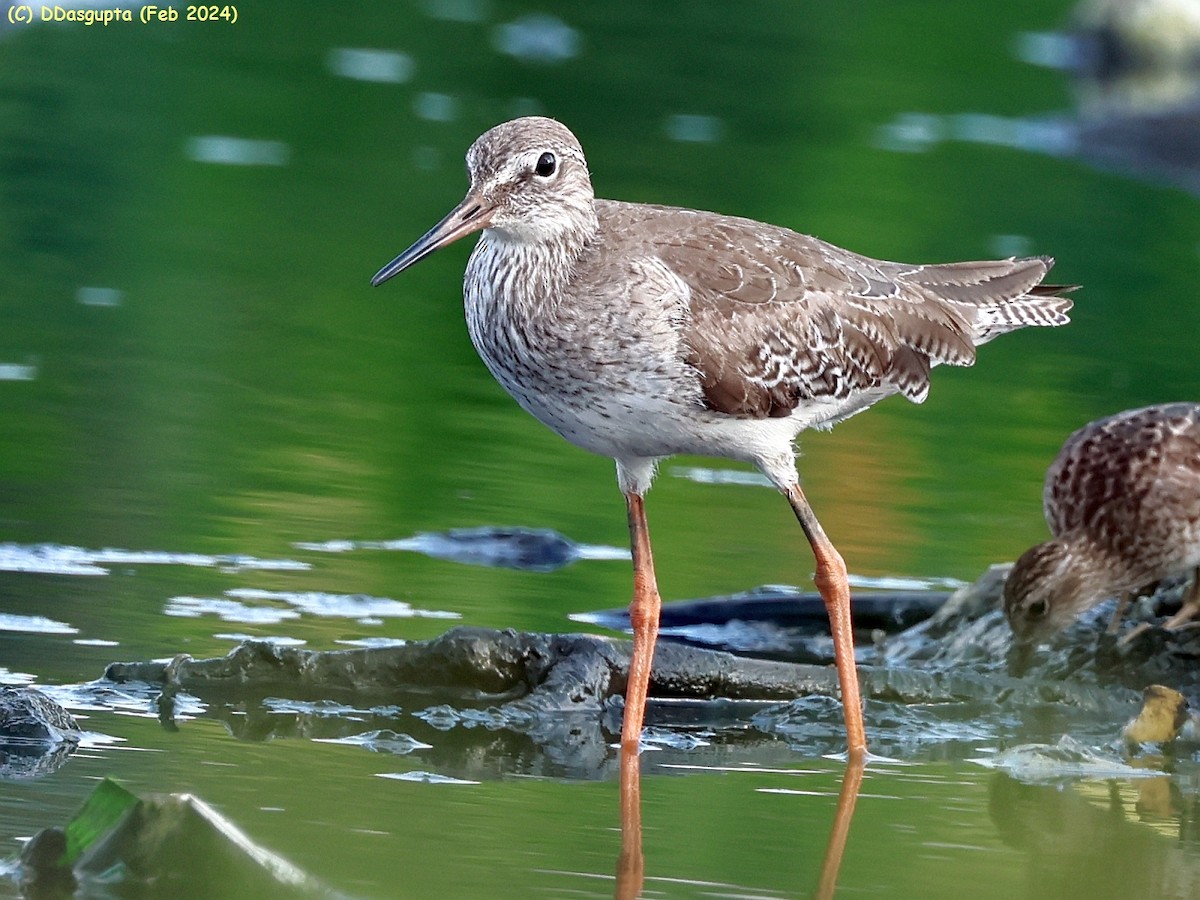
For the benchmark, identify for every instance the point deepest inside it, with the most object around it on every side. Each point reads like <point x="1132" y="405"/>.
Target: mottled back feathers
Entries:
<point x="1115" y="473"/>
<point x="775" y="319"/>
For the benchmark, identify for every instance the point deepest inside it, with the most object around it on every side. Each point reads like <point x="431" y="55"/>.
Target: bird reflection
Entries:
<point x="164" y="703"/>
<point x="631" y="864"/>
<point x="831" y="865"/>
<point x="1117" y="837"/>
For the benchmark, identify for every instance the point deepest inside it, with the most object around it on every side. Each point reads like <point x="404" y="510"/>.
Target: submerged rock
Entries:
<point x="159" y="845"/>
<point x="555" y="701"/>
<point x="1067" y="760"/>
<point x="36" y="733"/>
<point x="523" y="671"/>
<point x="970" y="630"/>
<point x="778" y="621"/>
<point x="529" y="549"/>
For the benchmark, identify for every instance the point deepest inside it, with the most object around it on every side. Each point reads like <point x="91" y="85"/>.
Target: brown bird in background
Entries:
<point x="1122" y="500"/>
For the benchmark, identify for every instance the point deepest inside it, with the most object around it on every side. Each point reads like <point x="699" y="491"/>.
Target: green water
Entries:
<point x="244" y="389"/>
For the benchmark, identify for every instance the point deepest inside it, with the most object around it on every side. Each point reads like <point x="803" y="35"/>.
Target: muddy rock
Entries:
<point x="36" y="733"/>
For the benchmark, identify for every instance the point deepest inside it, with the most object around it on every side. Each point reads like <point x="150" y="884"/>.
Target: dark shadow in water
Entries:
<point x="526" y="549"/>
<point x="778" y="621"/>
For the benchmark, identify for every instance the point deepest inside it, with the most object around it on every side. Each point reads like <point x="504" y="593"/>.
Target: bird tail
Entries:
<point x="1032" y="304"/>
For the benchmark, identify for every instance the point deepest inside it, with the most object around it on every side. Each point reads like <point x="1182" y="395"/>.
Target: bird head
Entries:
<point x="529" y="183"/>
<point x="1044" y="592"/>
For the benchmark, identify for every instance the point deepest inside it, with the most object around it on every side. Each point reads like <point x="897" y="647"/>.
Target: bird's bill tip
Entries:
<point x="395" y="267"/>
<point x="1021" y="656"/>
<point x="469" y="216"/>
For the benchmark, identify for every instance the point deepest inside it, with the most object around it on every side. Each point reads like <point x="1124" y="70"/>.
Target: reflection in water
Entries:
<point x="99" y="296"/>
<point x="380" y="740"/>
<point x="631" y="864"/>
<point x="384" y="66"/>
<point x="56" y="559"/>
<point x="538" y="38"/>
<point x="831" y="864"/>
<point x="1069" y="758"/>
<point x="262" y="607"/>
<point x="1102" y="837"/>
<point x="530" y="549"/>
<point x="34" y="625"/>
<point x="230" y="386"/>
<point x="235" y="151"/>
<point x="425" y="777"/>
<point x="18" y="372"/>
<point x="434" y="106"/>
<point x="1136" y="79"/>
<point x="693" y="128"/>
<point x="407" y="745"/>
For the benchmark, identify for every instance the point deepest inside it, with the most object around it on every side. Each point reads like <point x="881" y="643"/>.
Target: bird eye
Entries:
<point x="1038" y="608"/>
<point x="546" y="165"/>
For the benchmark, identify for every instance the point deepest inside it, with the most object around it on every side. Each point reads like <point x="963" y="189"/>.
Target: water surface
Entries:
<point x="193" y="366"/>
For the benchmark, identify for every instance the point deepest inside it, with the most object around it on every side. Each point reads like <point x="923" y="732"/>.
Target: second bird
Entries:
<point x="1122" y="500"/>
<point x="639" y="332"/>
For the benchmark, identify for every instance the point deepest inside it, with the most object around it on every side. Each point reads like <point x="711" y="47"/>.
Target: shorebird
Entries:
<point x="639" y="332"/>
<point x="1122" y="500"/>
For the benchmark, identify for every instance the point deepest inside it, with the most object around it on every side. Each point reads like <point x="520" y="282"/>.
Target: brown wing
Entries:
<point x="1112" y="470"/>
<point x="777" y="318"/>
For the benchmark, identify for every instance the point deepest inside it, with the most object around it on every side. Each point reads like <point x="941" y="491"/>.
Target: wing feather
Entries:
<point x="777" y="319"/>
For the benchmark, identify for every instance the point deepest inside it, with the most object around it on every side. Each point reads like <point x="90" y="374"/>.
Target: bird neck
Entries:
<point x="1096" y="570"/>
<point x="531" y="268"/>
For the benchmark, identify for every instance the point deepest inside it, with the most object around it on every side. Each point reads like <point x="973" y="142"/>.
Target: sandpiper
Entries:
<point x="1122" y="500"/>
<point x="639" y="332"/>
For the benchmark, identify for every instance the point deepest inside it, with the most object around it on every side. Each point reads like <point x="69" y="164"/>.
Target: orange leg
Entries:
<point x="643" y="616"/>
<point x="1114" y="624"/>
<point x="1189" y="611"/>
<point x="832" y="582"/>
<point x="1190" y="608"/>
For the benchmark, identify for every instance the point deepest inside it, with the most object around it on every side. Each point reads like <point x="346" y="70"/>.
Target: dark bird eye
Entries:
<point x="1038" y="608"/>
<point x="545" y="165"/>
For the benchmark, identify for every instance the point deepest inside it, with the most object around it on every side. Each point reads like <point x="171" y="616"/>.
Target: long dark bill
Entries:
<point x="469" y="216"/>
